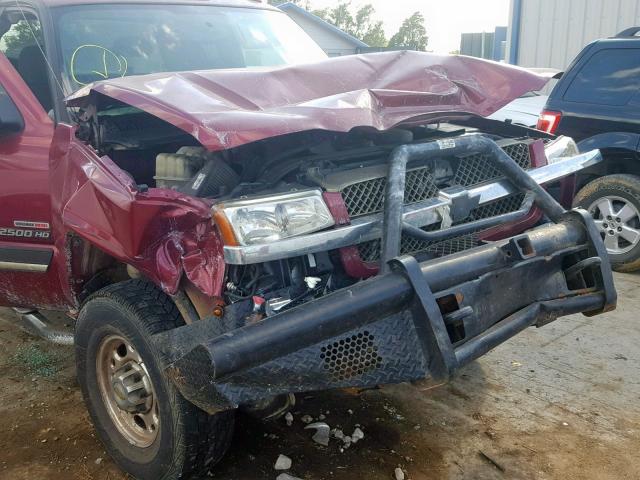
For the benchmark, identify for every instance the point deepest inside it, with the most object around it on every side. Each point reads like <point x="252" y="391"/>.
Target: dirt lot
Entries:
<point x="562" y="402"/>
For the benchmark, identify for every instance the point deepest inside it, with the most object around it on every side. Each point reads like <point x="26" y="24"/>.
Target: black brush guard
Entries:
<point x="414" y="320"/>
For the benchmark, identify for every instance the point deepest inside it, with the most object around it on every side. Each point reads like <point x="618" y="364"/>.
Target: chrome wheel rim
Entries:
<point x="619" y="223"/>
<point x="127" y="391"/>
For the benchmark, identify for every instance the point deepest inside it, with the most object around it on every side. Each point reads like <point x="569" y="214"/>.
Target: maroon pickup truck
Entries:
<point x="230" y="217"/>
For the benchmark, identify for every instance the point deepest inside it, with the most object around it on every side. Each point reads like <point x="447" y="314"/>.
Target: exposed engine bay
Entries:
<point x="351" y="165"/>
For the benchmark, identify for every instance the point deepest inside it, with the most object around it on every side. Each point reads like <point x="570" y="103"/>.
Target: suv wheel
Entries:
<point x="614" y="202"/>
<point x="148" y="428"/>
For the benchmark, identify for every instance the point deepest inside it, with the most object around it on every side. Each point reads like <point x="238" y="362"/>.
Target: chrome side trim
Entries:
<point x="23" y="267"/>
<point x="420" y="214"/>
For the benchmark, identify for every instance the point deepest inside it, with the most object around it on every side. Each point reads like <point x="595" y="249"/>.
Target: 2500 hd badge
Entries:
<point x="27" y="229"/>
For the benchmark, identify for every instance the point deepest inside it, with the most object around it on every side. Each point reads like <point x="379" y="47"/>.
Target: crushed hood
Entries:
<point x="227" y="108"/>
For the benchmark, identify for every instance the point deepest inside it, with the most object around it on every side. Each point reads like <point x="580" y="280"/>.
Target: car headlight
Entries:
<point x="560" y="148"/>
<point x="268" y="219"/>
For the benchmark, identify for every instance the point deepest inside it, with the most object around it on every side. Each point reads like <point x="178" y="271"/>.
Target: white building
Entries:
<point x="331" y="39"/>
<point x="550" y="33"/>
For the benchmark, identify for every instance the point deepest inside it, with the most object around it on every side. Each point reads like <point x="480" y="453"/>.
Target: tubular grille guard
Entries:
<point x="393" y="327"/>
<point x="365" y="198"/>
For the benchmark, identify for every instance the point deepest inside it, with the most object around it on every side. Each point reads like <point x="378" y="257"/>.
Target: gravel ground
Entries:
<point x="561" y="402"/>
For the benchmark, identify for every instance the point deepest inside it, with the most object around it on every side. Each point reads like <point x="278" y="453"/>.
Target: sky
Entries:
<point x="445" y="19"/>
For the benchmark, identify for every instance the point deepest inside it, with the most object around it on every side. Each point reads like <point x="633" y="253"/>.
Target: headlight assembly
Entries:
<point x="560" y="148"/>
<point x="268" y="219"/>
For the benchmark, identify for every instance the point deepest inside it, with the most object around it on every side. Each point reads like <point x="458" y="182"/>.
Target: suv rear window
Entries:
<point x="609" y="77"/>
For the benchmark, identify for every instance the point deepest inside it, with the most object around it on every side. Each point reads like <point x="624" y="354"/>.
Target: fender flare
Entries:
<point x="609" y="140"/>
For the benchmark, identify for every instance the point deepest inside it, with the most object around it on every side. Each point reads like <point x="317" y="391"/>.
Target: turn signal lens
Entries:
<point x="549" y="121"/>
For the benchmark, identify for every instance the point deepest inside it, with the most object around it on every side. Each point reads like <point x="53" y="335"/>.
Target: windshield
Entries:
<point x="109" y="41"/>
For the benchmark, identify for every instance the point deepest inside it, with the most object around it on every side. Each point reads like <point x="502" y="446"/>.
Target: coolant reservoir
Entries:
<point x="174" y="170"/>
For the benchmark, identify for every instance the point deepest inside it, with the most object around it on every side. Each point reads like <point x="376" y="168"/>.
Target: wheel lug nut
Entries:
<point x="619" y="229"/>
<point x="609" y="217"/>
<point x="618" y="219"/>
<point x="605" y="225"/>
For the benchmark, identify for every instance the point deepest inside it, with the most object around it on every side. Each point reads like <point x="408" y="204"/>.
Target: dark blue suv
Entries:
<point x="597" y="102"/>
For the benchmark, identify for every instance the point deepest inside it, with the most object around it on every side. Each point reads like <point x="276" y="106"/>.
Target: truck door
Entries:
<point x="28" y="271"/>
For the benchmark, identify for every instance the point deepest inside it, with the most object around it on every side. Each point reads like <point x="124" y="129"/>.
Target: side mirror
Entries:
<point x="11" y="122"/>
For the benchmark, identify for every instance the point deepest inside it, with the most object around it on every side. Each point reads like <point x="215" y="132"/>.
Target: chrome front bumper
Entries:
<point x="434" y="210"/>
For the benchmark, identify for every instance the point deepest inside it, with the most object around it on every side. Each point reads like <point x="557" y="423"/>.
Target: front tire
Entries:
<point x="148" y="428"/>
<point x="614" y="203"/>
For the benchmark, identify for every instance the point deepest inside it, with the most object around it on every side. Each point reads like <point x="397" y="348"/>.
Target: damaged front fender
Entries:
<point x="162" y="233"/>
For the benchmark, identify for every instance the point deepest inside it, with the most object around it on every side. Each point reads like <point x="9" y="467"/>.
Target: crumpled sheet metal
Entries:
<point x="227" y="108"/>
<point x="162" y="233"/>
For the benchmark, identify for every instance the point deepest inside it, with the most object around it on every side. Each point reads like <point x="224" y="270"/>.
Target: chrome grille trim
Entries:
<point x="367" y="197"/>
<point x="370" y="251"/>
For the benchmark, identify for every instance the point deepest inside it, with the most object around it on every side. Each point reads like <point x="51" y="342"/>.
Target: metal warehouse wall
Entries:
<point x="552" y="32"/>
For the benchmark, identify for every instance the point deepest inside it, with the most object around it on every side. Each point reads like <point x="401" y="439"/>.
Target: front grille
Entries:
<point x="476" y="169"/>
<point x="365" y="198"/>
<point x="370" y="251"/>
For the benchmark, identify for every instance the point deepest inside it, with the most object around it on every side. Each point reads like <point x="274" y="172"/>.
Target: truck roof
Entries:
<point x="220" y="3"/>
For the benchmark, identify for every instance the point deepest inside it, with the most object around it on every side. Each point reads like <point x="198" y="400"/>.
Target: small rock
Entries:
<point x="357" y="435"/>
<point x="283" y="463"/>
<point x="307" y="419"/>
<point x="337" y="433"/>
<point x="44" y="440"/>
<point x="322" y="433"/>
<point x="286" y="476"/>
<point x="565" y="424"/>
<point x="289" y="419"/>
<point x="399" y="474"/>
<point x="321" y="417"/>
<point x="98" y="461"/>
<point x="350" y="412"/>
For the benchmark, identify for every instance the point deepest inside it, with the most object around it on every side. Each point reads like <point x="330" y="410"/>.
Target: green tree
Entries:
<point x="367" y="29"/>
<point x="19" y="36"/>
<point x="361" y="25"/>
<point x="412" y="34"/>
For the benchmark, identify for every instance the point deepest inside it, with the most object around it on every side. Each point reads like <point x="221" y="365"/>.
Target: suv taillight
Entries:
<point x="548" y="121"/>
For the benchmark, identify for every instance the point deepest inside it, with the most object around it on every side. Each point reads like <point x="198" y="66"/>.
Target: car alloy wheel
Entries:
<point x="619" y="223"/>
